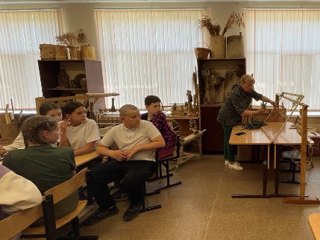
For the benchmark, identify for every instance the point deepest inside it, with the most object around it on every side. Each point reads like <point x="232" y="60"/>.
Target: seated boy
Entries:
<point x="133" y="163"/>
<point x="16" y="193"/>
<point x="159" y="119"/>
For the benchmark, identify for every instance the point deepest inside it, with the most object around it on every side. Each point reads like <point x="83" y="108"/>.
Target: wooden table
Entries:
<point x="85" y="158"/>
<point x="288" y="136"/>
<point x="252" y="137"/>
<point x="314" y="222"/>
<point x="274" y="133"/>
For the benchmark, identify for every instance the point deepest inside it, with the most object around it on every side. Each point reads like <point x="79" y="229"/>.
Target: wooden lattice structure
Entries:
<point x="295" y="100"/>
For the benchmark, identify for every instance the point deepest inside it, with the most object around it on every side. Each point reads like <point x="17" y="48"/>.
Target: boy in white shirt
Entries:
<point x="132" y="163"/>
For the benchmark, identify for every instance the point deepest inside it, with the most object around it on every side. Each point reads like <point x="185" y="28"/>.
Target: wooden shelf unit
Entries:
<point x="212" y="141"/>
<point x="91" y="69"/>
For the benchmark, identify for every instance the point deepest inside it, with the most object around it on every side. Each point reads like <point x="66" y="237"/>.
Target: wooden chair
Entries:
<point x="55" y="195"/>
<point x="314" y="222"/>
<point x="19" y="221"/>
<point x="291" y="155"/>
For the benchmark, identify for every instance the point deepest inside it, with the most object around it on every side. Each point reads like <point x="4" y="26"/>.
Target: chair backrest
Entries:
<point x="68" y="187"/>
<point x="52" y="197"/>
<point x="19" y="221"/>
<point x="175" y="154"/>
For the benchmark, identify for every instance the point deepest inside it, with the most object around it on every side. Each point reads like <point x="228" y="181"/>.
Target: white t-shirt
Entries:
<point x="16" y="192"/>
<point x="126" y="139"/>
<point x="85" y="133"/>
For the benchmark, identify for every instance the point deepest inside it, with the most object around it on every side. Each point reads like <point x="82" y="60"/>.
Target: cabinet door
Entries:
<point x="212" y="140"/>
<point x="216" y="78"/>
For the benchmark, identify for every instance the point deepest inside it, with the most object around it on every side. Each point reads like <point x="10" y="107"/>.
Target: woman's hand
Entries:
<point x="274" y="104"/>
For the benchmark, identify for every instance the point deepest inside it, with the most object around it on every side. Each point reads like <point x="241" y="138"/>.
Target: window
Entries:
<point x="148" y="52"/>
<point x="21" y="32"/>
<point x="283" y="52"/>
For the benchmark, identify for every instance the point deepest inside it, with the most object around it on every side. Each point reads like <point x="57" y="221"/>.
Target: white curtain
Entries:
<point x="148" y="52"/>
<point x="283" y="52"/>
<point x="21" y="32"/>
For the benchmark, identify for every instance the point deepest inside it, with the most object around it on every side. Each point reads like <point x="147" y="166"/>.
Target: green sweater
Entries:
<point x="46" y="167"/>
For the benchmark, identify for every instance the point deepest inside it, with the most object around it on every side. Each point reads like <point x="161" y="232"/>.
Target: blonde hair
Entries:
<point x="246" y="78"/>
<point x="125" y="109"/>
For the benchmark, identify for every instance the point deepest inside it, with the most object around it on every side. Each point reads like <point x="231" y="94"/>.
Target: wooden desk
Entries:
<point x="287" y="136"/>
<point x="274" y="133"/>
<point x="252" y="137"/>
<point x="314" y="222"/>
<point x="85" y="158"/>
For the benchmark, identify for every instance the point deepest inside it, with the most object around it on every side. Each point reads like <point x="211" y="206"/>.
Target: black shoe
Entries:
<point x="132" y="212"/>
<point x="120" y="196"/>
<point x="99" y="215"/>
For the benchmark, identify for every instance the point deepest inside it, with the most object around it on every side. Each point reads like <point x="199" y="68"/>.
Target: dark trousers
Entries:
<point x="228" y="149"/>
<point x="132" y="174"/>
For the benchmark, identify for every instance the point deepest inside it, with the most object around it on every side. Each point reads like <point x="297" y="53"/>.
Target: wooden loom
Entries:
<point x="302" y="128"/>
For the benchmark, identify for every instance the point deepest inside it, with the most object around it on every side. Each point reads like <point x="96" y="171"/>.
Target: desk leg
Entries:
<point x="276" y="171"/>
<point x="264" y="181"/>
<point x="276" y="159"/>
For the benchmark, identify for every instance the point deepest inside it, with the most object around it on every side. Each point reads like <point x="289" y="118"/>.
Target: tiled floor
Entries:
<point x="202" y="207"/>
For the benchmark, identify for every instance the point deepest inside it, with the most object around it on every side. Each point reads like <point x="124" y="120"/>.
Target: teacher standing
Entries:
<point x="234" y="109"/>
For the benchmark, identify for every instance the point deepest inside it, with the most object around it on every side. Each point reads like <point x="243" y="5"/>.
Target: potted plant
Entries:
<point x="218" y="39"/>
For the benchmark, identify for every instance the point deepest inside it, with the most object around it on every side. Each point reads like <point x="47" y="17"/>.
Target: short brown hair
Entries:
<point x="33" y="126"/>
<point x="151" y="99"/>
<point x="127" y="108"/>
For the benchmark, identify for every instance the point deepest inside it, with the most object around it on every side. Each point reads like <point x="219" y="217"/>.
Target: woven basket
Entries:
<point x="74" y="53"/>
<point x="47" y="51"/>
<point x="88" y="53"/>
<point x="276" y="116"/>
<point x="61" y="52"/>
<point x="202" y="53"/>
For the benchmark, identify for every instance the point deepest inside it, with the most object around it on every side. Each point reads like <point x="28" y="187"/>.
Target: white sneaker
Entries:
<point x="226" y="162"/>
<point x="235" y="166"/>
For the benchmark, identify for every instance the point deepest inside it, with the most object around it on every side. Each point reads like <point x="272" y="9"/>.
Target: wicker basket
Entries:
<point x="276" y="116"/>
<point x="88" y="53"/>
<point x="61" y="52"/>
<point x="74" y="53"/>
<point x="47" y="51"/>
<point x="202" y="53"/>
